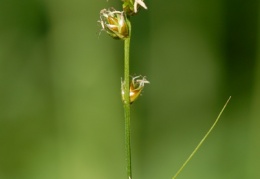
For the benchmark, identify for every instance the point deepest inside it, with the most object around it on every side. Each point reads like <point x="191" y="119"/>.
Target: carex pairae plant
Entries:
<point x="117" y="24"/>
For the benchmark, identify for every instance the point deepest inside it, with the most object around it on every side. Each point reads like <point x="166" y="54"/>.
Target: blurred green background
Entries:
<point x="61" y="115"/>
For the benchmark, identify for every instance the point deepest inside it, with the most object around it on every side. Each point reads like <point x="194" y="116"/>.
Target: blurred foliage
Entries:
<point x="61" y="115"/>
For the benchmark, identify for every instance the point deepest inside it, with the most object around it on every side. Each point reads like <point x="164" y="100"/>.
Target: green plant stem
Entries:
<point x="202" y="140"/>
<point x="127" y="104"/>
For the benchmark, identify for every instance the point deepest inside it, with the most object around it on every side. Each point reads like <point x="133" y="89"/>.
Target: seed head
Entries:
<point x="114" y="23"/>
<point x="136" y="87"/>
<point x="131" y="6"/>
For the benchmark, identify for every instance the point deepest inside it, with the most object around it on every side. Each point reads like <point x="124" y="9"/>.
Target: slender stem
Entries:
<point x="127" y="104"/>
<point x="202" y="140"/>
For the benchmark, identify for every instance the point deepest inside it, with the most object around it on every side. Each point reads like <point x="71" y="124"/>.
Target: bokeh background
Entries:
<point x="61" y="115"/>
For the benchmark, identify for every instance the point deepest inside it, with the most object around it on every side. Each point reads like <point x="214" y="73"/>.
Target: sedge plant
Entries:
<point x="117" y="24"/>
